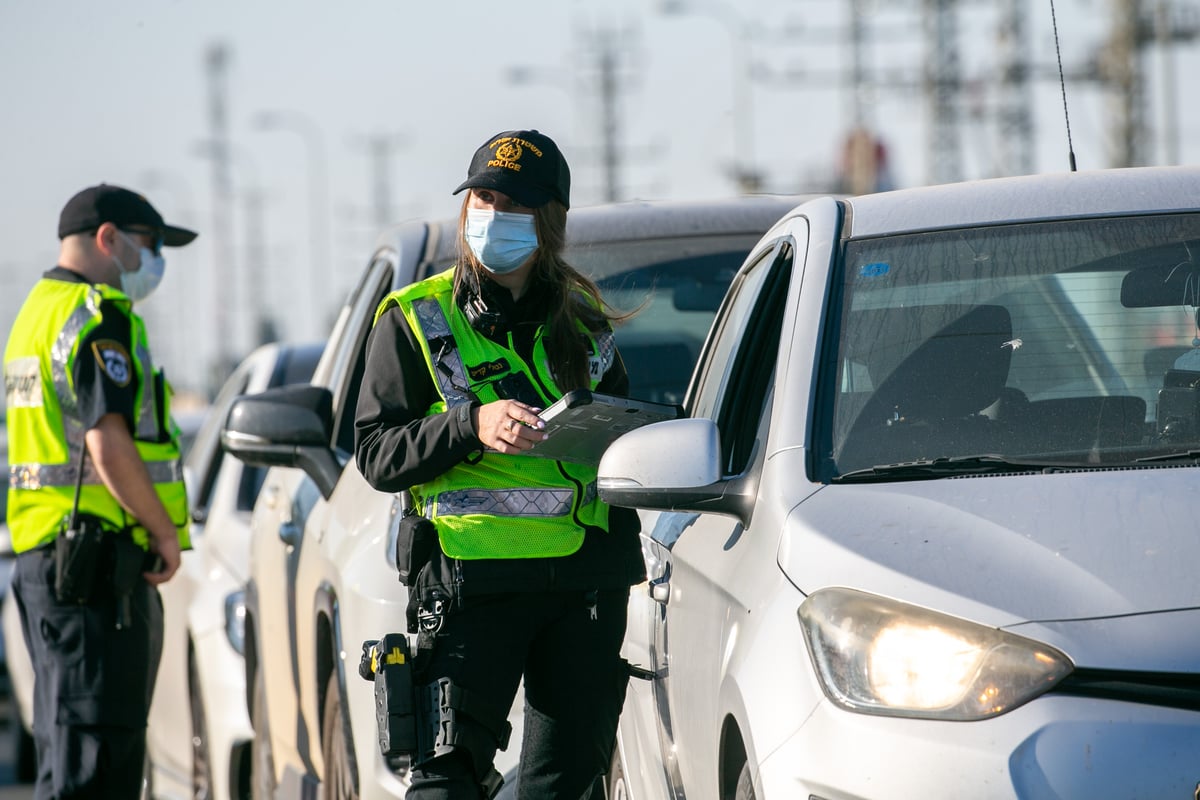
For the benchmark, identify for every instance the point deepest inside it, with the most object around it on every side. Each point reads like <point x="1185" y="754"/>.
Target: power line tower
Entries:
<point x="1015" y="105"/>
<point x="380" y="148"/>
<point x="216" y="62"/>
<point x="1123" y="69"/>
<point x="1137" y="26"/>
<point x="606" y="49"/>
<point x="942" y="87"/>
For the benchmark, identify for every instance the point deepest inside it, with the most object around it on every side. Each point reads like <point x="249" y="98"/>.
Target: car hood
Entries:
<point x="1007" y="550"/>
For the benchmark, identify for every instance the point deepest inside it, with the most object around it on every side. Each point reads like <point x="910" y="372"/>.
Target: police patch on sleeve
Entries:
<point x="114" y="361"/>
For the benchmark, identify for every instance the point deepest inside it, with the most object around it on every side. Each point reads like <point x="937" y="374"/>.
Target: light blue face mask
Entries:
<point x="142" y="281"/>
<point x="502" y="241"/>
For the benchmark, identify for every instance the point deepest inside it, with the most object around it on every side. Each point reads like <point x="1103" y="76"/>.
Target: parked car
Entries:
<point x="928" y="527"/>
<point x="21" y="753"/>
<point x="322" y="581"/>
<point x="206" y="753"/>
<point x="18" y="667"/>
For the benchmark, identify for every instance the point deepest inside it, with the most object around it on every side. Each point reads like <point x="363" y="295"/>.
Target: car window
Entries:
<point x="352" y="352"/>
<point x="740" y="361"/>
<point x="1065" y="341"/>
<point x="205" y="456"/>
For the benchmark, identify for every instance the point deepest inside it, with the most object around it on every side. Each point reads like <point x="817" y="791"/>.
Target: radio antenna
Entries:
<point x="1063" y="86"/>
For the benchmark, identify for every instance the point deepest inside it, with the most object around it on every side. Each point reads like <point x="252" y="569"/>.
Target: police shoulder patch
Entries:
<point x="114" y="361"/>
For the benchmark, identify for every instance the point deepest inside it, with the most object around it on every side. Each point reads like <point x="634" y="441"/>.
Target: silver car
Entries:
<point x="929" y="527"/>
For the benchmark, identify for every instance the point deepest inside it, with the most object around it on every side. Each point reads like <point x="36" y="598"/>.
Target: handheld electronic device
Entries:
<point x="582" y="424"/>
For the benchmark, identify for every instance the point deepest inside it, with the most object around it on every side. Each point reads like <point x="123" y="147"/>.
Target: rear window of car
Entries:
<point x="674" y="285"/>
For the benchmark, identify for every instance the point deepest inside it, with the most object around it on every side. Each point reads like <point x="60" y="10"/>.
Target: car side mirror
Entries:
<point x="289" y="426"/>
<point x="668" y="466"/>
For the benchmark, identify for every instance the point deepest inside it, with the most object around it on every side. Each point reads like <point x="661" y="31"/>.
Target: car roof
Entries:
<point x="613" y="222"/>
<point x="1026" y="198"/>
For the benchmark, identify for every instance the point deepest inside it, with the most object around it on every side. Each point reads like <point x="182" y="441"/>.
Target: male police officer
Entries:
<point x="96" y="503"/>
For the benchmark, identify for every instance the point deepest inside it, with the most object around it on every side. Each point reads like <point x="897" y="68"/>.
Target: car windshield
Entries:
<point x="1037" y="346"/>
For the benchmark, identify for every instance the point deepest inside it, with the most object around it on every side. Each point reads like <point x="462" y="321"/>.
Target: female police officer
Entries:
<point x="532" y="573"/>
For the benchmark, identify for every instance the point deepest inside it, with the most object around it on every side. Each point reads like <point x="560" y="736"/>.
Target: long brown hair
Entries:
<point x="576" y="298"/>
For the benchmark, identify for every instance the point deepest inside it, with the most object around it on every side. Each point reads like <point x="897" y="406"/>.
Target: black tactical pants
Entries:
<point x="566" y="645"/>
<point x="92" y="683"/>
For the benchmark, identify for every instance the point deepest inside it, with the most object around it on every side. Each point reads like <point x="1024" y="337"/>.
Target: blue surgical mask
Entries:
<point x="141" y="282"/>
<point x="502" y="241"/>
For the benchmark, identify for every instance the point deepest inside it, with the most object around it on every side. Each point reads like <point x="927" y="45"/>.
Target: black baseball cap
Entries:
<point x="95" y="205"/>
<point x="525" y="165"/>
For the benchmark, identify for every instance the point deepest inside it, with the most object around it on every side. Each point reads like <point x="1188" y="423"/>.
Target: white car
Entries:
<point x="206" y="753"/>
<point x="21" y="754"/>
<point x="322" y="580"/>
<point x="929" y="528"/>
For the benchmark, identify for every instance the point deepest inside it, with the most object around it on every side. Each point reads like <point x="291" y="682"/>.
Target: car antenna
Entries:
<point x="1063" y="86"/>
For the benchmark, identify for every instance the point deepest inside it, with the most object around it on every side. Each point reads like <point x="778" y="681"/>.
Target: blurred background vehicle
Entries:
<point x="21" y="754"/>
<point x="207" y="756"/>
<point x="322" y="579"/>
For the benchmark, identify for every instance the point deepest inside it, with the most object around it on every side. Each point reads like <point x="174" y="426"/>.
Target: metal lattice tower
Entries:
<point x="1123" y="69"/>
<point x="1015" y="106"/>
<point x="942" y="85"/>
<point x="224" y="293"/>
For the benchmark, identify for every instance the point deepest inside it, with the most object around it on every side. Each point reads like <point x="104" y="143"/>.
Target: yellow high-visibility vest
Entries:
<point x="46" y="433"/>
<point x="501" y="506"/>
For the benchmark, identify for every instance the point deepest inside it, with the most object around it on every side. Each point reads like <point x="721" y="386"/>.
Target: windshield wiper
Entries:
<point x="989" y="464"/>
<point x="1181" y="455"/>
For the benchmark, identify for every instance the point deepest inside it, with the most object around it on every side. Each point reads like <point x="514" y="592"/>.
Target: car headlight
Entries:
<point x="235" y="620"/>
<point x="879" y="656"/>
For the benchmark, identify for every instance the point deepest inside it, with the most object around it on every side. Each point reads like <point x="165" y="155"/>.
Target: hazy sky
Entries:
<point x="118" y="92"/>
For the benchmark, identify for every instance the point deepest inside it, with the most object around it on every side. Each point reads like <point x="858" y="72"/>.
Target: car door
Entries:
<point x="700" y="561"/>
<point x="168" y="741"/>
<point x="317" y="580"/>
<point x="288" y="504"/>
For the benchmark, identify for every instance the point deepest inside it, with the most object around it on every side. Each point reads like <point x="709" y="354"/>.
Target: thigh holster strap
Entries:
<point x="454" y="717"/>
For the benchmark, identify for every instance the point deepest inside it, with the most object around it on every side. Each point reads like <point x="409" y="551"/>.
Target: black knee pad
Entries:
<point x="451" y="718"/>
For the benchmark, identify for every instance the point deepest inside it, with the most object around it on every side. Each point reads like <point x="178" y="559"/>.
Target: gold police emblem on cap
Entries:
<point x="509" y="150"/>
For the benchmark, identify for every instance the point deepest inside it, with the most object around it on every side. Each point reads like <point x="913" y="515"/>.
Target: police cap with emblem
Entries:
<point x="525" y="165"/>
<point x="95" y="205"/>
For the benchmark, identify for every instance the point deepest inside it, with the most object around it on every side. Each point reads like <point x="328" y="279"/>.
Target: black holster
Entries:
<point x="386" y="662"/>
<point x="415" y="543"/>
<point x="91" y="563"/>
<point x="79" y="556"/>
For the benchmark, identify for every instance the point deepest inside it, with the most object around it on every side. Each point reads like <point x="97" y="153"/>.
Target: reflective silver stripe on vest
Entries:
<point x="35" y="476"/>
<point x="147" y="420"/>
<point x="60" y="355"/>
<point x="606" y="343"/>
<point x="434" y="324"/>
<point x="511" y="502"/>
